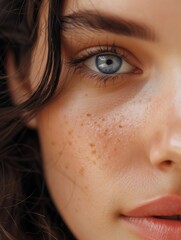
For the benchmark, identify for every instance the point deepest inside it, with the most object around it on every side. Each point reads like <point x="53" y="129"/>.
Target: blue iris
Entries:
<point x="108" y="64"/>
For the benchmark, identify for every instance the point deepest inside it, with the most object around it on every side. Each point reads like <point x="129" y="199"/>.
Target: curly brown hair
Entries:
<point x="26" y="209"/>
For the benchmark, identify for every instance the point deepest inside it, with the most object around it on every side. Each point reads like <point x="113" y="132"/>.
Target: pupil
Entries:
<point x="109" y="62"/>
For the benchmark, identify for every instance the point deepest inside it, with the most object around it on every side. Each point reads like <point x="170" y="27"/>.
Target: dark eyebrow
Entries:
<point x="91" y="21"/>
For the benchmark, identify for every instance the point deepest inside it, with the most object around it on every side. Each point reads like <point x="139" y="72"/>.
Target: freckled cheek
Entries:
<point x="102" y="142"/>
<point x="73" y="140"/>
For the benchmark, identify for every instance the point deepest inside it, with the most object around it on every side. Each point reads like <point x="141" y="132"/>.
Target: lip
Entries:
<point x="142" y="219"/>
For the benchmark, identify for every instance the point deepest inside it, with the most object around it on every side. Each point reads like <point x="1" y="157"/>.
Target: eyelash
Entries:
<point x="78" y="63"/>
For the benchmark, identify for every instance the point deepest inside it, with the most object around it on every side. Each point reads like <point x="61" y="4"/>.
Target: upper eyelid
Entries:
<point x="93" y="51"/>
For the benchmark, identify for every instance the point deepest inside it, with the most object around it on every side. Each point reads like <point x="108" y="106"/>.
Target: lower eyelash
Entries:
<point x="101" y="79"/>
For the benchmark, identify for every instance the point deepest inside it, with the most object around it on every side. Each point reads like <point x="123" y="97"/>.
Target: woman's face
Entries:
<point x="111" y="140"/>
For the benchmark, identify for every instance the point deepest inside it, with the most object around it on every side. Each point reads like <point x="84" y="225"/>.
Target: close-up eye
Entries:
<point x="109" y="64"/>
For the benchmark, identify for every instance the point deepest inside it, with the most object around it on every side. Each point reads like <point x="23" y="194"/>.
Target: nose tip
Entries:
<point x="167" y="153"/>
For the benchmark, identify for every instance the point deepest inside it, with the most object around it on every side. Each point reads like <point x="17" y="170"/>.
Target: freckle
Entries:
<point x="67" y="166"/>
<point x="60" y="153"/>
<point x="70" y="132"/>
<point x="81" y="124"/>
<point x="76" y="210"/>
<point x="86" y="95"/>
<point x="95" y="122"/>
<point x="106" y="132"/>
<point x="94" y="152"/>
<point x="120" y="126"/>
<point x="86" y="187"/>
<point x="103" y="119"/>
<point x="92" y="145"/>
<point x="88" y="115"/>
<point x="53" y="143"/>
<point x="70" y="143"/>
<point x="94" y="162"/>
<point x="82" y="171"/>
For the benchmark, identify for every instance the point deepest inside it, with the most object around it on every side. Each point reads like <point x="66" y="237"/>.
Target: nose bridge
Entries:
<point x="166" y="146"/>
<point x="176" y="96"/>
<point x="171" y="98"/>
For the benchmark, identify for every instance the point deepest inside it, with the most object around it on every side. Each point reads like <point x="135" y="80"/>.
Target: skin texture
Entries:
<point x="109" y="147"/>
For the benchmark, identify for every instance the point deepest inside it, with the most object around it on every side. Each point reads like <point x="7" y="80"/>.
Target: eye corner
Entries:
<point x="138" y="71"/>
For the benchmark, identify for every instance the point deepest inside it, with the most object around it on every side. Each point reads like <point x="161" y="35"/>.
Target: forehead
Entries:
<point x="127" y="7"/>
<point x="164" y="16"/>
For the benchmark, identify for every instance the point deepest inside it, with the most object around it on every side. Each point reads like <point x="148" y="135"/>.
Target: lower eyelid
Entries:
<point x="82" y="68"/>
<point x="98" y="80"/>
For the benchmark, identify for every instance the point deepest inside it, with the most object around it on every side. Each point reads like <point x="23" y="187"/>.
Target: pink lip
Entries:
<point x="143" y="220"/>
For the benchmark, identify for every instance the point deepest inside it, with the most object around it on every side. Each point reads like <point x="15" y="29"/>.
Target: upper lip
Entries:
<point x="160" y="206"/>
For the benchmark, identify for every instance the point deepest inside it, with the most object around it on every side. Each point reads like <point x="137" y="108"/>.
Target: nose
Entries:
<point x="167" y="151"/>
<point x="165" y="144"/>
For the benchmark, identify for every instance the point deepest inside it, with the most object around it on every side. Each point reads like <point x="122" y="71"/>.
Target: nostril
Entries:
<point x="168" y="162"/>
<point x="165" y="157"/>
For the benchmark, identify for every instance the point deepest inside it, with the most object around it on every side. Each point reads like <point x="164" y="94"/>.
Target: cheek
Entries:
<point x="82" y="146"/>
<point x="76" y="141"/>
<point x="89" y="157"/>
